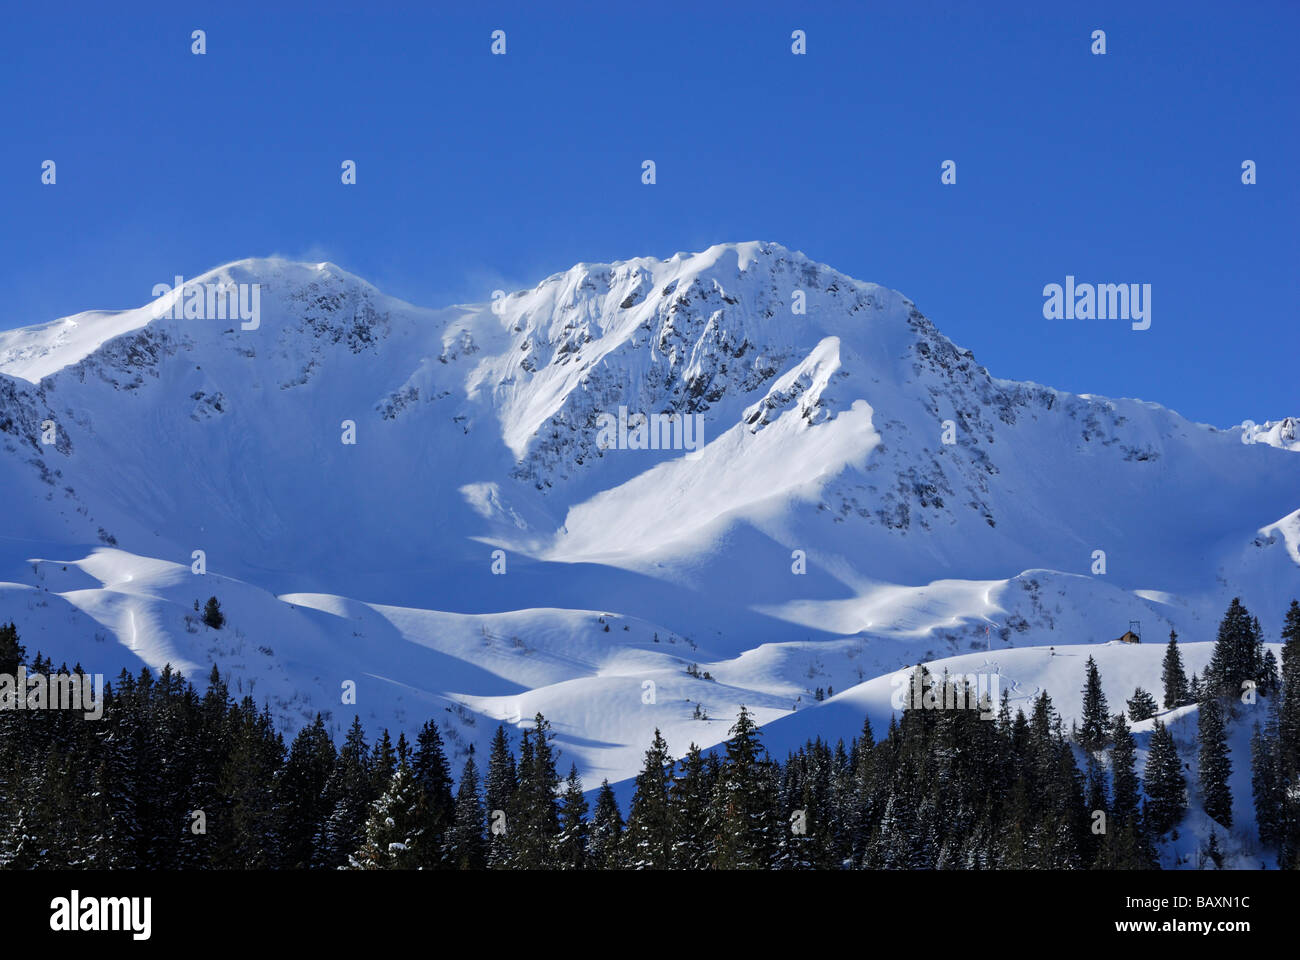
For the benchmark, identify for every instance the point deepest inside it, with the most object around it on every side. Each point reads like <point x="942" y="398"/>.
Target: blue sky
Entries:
<point x="478" y="171"/>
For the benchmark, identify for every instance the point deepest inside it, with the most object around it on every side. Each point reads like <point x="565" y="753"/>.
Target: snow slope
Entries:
<point x="464" y="557"/>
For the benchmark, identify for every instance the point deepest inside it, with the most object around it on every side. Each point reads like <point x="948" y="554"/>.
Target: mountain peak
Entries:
<point x="854" y="492"/>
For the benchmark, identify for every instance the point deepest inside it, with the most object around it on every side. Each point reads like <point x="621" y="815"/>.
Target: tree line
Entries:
<point x="173" y="779"/>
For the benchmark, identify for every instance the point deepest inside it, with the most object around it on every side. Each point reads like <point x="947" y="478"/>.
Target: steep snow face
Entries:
<point x="833" y="489"/>
<point x="705" y="334"/>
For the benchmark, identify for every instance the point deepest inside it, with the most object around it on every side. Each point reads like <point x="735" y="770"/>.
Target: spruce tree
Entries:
<point x="1266" y="789"/>
<point x="383" y="764"/>
<point x="118" y="782"/>
<point x="392" y="831"/>
<point x="1095" y="790"/>
<point x="215" y="719"/>
<point x="1289" y="718"/>
<point x="1215" y="765"/>
<point x="868" y="789"/>
<point x="689" y="800"/>
<point x="436" y="809"/>
<point x="115" y="787"/>
<point x="1175" y="680"/>
<point x="604" y="846"/>
<point x="1097" y="806"/>
<point x="648" y="840"/>
<point x="245" y="836"/>
<point x="499" y="797"/>
<point x="300" y="798"/>
<point x="805" y="833"/>
<point x="1269" y="678"/>
<point x="1062" y="833"/>
<point x="464" y="847"/>
<point x="1164" y="784"/>
<point x="535" y="823"/>
<point x="212" y="615"/>
<point x="1096" y="720"/>
<point x="347" y="798"/>
<point x="1141" y="706"/>
<point x="571" y="850"/>
<point x="12" y="653"/>
<point x="839" y="815"/>
<point x="1290" y="634"/>
<point x="1235" y="660"/>
<point x="745" y="801"/>
<point x="1212" y="851"/>
<point x="1124" y="781"/>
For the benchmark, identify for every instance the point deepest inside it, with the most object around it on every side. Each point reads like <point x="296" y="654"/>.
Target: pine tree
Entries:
<point x="1175" y="680"/>
<point x="867" y="798"/>
<point x="383" y="764"/>
<point x="1256" y="654"/>
<point x="464" y="847"/>
<point x="175" y="746"/>
<point x="245" y="828"/>
<point x="392" y="831"/>
<point x="1281" y="798"/>
<point x="1096" y="721"/>
<point x="212" y="614"/>
<point x="1141" y="706"/>
<point x="1124" y="849"/>
<point x="1266" y="789"/>
<point x="604" y="847"/>
<point x="1270" y="678"/>
<point x="1213" y="852"/>
<point x="347" y="798"/>
<point x="115" y="787"/>
<point x="216" y="720"/>
<point x="1290" y="634"/>
<point x="1215" y="765"/>
<point x="648" y="840"/>
<point x="689" y="800"/>
<point x="745" y="801"/>
<point x="1235" y="660"/>
<point x="805" y="836"/>
<point x="1164" y="784"/>
<point x="299" y="795"/>
<point x="12" y="743"/>
<point x="571" y="850"/>
<point x="1063" y="832"/>
<point x="436" y="808"/>
<point x="1095" y="781"/>
<point x="1289" y="719"/>
<point x="12" y="653"/>
<point x="1124" y="782"/>
<point x="499" y="796"/>
<point x="535" y="823"/>
<point x="120" y="839"/>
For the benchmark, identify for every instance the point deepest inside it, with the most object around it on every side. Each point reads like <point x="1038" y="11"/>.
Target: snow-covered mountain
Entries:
<point x="863" y="495"/>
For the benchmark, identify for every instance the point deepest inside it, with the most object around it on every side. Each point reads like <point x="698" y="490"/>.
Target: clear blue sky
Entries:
<point x="477" y="171"/>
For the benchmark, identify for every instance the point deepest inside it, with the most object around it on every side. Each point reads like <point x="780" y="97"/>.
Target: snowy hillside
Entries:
<point x="1026" y="672"/>
<point x="863" y="495"/>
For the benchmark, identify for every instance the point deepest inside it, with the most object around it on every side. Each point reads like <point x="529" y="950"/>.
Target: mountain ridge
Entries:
<point x="866" y="495"/>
